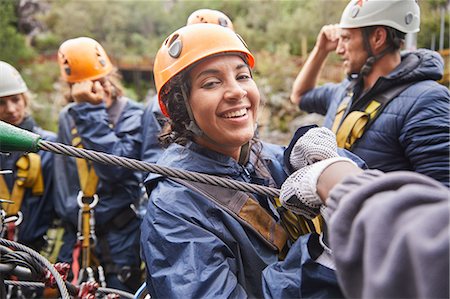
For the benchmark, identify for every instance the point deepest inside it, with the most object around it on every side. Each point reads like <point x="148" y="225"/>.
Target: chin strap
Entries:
<point x="244" y="154"/>
<point x="371" y="59"/>
<point x="192" y="126"/>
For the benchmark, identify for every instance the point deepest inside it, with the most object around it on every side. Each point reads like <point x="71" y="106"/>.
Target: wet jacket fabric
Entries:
<point x="152" y="123"/>
<point x="412" y="132"/>
<point x="193" y="248"/>
<point x="117" y="188"/>
<point x="301" y="274"/>
<point x="390" y="235"/>
<point x="38" y="211"/>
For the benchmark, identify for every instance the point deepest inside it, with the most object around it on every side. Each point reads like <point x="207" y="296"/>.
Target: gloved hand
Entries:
<point x="317" y="144"/>
<point x="311" y="154"/>
<point x="299" y="191"/>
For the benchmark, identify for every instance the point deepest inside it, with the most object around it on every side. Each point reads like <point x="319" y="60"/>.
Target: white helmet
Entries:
<point x="11" y="83"/>
<point x="403" y="15"/>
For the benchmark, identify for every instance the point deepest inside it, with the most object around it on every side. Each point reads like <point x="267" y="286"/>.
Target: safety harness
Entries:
<point x="28" y="176"/>
<point x="353" y="119"/>
<point x="89" y="233"/>
<point x="244" y="207"/>
<point x="87" y="199"/>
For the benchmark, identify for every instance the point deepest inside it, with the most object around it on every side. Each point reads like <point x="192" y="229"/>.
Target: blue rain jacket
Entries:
<point x="117" y="188"/>
<point x="191" y="247"/>
<point x="38" y="211"/>
<point x="152" y="123"/>
<point x="299" y="275"/>
<point x="413" y="131"/>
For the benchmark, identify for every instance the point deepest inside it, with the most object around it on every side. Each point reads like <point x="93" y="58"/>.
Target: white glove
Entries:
<point x="299" y="191"/>
<point x="317" y="144"/>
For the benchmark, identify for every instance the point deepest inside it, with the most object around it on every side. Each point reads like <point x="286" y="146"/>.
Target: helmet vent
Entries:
<point x="175" y="46"/>
<point x="355" y="11"/>
<point x="100" y="56"/>
<point x="223" y="22"/>
<point x="408" y="18"/>
<point x="172" y="39"/>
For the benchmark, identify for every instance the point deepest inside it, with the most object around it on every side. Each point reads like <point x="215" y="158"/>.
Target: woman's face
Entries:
<point x="224" y="100"/>
<point x="13" y="109"/>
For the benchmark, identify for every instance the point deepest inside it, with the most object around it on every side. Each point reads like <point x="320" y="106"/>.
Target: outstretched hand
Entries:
<point x="311" y="155"/>
<point x="315" y="145"/>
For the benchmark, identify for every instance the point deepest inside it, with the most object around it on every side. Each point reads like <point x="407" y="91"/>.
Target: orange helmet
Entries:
<point x="210" y="16"/>
<point x="190" y="44"/>
<point x="83" y="59"/>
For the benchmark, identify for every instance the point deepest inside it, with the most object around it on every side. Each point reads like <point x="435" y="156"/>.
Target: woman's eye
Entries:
<point x="210" y="84"/>
<point x="244" y="77"/>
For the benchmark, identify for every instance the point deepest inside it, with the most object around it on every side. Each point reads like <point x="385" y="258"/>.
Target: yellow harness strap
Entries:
<point x="339" y="114"/>
<point x="349" y="130"/>
<point x="296" y="225"/>
<point x="28" y="175"/>
<point x="88" y="184"/>
<point x="354" y="124"/>
<point x="86" y="172"/>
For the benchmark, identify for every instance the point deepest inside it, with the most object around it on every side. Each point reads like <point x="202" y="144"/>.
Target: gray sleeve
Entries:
<point x="390" y="235"/>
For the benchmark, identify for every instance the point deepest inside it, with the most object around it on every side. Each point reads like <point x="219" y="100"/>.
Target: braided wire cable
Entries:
<point x="121" y="293"/>
<point x="27" y="284"/>
<point x="36" y="284"/>
<point x="109" y="159"/>
<point x="59" y="281"/>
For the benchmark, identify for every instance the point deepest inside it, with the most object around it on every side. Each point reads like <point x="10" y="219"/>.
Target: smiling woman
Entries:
<point x="200" y="241"/>
<point x="193" y="247"/>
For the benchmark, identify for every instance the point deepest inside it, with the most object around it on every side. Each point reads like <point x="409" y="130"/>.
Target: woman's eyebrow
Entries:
<point x="215" y="71"/>
<point x="207" y="72"/>
<point x="243" y="65"/>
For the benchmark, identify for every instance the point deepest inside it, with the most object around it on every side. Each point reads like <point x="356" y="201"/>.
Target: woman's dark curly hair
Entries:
<point x="172" y="96"/>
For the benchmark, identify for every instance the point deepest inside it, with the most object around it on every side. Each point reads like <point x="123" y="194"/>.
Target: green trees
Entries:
<point x="280" y="33"/>
<point x="13" y="48"/>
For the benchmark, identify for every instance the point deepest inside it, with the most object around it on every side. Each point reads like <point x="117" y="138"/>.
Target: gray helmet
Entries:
<point x="11" y="82"/>
<point x="403" y="15"/>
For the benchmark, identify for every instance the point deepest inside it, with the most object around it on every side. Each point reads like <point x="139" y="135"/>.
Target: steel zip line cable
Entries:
<point x="109" y="159"/>
<point x="59" y="280"/>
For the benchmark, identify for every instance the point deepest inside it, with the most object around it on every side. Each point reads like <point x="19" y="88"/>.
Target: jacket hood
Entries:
<point x="419" y="65"/>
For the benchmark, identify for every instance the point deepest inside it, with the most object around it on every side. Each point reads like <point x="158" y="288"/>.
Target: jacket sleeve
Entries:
<point x="390" y="235"/>
<point x="299" y="275"/>
<point x="96" y="133"/>
<point x="426" y="133"/>
<point x="318" y="100"/>
<point x="151" y="128"/>
<point x="184" y="258"/>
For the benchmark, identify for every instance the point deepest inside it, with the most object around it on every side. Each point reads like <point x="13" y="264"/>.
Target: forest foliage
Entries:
<point x="279" y="33"/>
